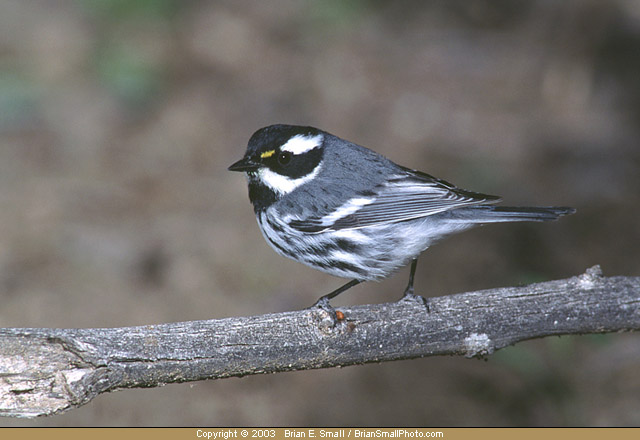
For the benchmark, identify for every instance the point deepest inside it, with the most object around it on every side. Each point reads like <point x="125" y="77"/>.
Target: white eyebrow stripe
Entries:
<point x="300" y="144"/>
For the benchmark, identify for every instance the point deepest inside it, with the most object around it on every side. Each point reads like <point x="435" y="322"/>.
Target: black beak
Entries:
<point x="244" y="164"/>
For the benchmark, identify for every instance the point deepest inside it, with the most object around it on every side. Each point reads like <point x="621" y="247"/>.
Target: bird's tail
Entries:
<point x="495" y="214"/>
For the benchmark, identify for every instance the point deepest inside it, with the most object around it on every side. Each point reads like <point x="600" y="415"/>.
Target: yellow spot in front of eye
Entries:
<point x="267" y="154"/>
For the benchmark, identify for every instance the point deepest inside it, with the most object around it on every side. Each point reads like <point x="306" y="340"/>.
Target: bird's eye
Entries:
<point x="284" y="158"/>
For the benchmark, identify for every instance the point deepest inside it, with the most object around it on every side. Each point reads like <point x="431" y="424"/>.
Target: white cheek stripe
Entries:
<point x="283" y="184"/>
<point x="301" y="144"/>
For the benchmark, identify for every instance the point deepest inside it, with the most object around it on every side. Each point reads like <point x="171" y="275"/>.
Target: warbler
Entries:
<point x="348" y="211"/>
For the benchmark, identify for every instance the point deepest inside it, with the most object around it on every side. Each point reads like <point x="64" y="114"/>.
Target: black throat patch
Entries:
<point x="260" y="195"/>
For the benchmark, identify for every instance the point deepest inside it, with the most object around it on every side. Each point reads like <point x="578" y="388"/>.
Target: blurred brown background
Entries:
<point x="118" y="119"/>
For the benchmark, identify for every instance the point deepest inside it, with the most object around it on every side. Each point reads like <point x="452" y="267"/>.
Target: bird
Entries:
<point x="346" y="210"/>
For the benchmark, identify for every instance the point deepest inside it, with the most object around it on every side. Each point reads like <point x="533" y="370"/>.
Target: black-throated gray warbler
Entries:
<point x="348" y="211"/>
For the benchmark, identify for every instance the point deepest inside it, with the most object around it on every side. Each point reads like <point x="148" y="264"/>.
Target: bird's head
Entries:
<point x="279" y="159"/>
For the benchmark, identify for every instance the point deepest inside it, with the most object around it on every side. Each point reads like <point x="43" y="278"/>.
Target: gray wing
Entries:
<point x="406" y="196"/>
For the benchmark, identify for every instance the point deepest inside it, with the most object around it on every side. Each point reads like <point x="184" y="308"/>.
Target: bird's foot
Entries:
<point x="323" y="303"/>
<point x="410" y="297"/>
<point x="328" y="316"/>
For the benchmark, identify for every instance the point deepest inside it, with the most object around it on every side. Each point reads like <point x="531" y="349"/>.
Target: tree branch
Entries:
<point x="48" y="371"/>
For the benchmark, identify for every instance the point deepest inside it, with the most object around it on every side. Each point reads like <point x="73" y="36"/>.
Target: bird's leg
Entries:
<point x="323" y="302"/>
<point x="408" y="292"/>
